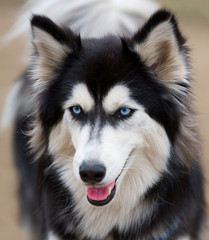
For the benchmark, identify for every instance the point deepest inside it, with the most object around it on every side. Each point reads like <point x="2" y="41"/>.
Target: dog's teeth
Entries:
<point x="109" y="190"/>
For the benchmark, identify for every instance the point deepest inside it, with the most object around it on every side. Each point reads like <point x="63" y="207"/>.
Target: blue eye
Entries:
<point x="76" y="110"/>
<point x="125" y="111"/>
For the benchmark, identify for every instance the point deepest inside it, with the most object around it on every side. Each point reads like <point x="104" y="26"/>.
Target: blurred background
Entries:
<point x="193" y="17"/>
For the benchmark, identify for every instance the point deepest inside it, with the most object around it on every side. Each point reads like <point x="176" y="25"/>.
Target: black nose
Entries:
<point x="92" y="173"/>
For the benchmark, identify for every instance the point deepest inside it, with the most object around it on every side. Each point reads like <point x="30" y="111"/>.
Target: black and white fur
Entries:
<point x="152" y="153"/>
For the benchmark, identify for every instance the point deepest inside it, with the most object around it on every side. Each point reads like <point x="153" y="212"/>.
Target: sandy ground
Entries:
<point x="11" y="66"/>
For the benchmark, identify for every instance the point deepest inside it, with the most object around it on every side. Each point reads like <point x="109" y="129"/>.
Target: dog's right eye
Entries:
<point x="76" y="111"/>
<point x="125" y="111"/>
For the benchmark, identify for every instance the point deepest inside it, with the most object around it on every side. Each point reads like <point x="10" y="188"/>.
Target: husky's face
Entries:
<point x="109" y="107"/>
<point x="109" y="135"/>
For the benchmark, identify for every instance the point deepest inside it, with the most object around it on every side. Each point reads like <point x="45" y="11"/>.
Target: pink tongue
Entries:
<point x="99" y="194"/>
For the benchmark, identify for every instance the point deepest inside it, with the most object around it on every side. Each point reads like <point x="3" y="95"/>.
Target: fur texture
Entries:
<point x="120" y="104"/>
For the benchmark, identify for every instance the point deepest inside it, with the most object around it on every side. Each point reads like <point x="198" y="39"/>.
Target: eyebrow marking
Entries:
<point x="117" y="96"/>
<point x="80" y="96"/>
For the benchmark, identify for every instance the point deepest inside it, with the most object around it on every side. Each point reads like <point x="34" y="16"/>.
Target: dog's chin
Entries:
<point x="100" y="196"/>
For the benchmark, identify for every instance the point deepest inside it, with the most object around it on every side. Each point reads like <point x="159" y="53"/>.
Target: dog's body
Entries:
<point x="112" y="135"/>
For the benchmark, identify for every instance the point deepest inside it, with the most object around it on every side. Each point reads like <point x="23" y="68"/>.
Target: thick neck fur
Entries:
<point x="148" y="216"/>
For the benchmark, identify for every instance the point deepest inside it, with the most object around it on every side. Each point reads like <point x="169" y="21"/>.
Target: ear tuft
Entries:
<point x="62" y="35"/>
<point x="160" y="45"/>
<point x="160" y="17"/>
<point x="52" y="45"/>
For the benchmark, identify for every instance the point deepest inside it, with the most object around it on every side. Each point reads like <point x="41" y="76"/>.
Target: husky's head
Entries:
<point x="109" y="110"/>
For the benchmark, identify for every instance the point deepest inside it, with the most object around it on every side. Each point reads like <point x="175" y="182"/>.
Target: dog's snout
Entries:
<point x="92" y="173"/>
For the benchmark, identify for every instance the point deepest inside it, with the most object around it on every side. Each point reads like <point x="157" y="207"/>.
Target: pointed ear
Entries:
<point x="52" y="45"/>
<point x="161" y="46"/>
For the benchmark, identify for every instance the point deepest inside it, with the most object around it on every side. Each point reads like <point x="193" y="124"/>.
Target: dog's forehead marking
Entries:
<point x="117" y="97"/>
<point x="80" y="96"/>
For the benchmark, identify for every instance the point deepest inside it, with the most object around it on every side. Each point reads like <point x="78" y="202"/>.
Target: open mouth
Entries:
<point x="100" y="196"/>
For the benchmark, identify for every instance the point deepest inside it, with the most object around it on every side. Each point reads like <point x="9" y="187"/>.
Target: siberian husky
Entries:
<point x="106" y="142"/>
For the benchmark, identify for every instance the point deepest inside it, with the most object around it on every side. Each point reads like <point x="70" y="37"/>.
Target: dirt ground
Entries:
<point x="197" y="30"/>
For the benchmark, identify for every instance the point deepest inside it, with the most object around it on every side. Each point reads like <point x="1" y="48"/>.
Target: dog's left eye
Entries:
<point x="126" y="111"/>
<point x="76" y="110"/>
